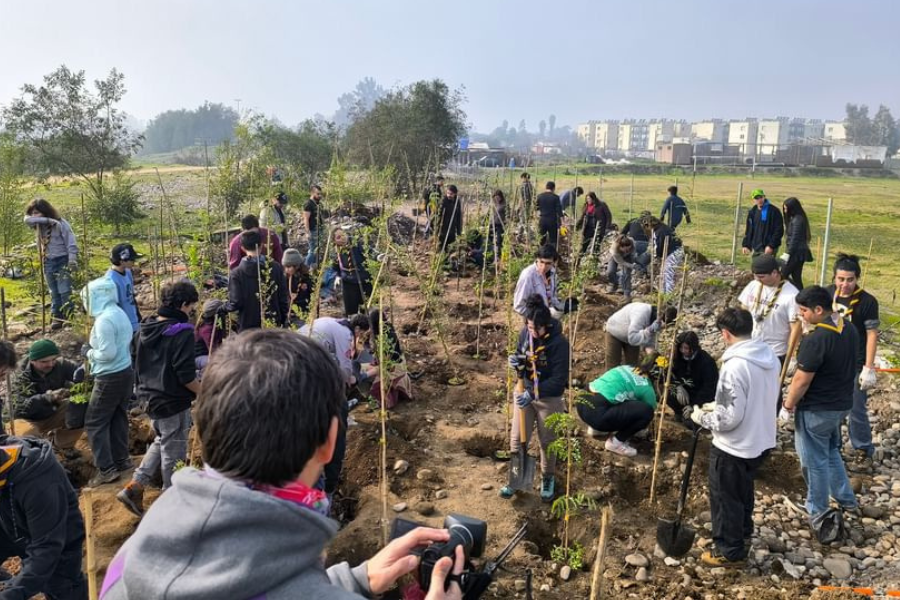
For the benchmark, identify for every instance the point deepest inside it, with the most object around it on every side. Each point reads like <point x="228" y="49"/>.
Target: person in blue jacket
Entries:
<point x="675" y="208"/>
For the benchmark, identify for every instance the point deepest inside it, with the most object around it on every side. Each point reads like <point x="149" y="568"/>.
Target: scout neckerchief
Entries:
<point x="847" y="311"/>
<point x="769" y="305"/>
<point x="548" y="286"/>
<point x="350" y="268"/>
<point x="12" y="454"/>
<point x="533" y="356"/>
<point x="838" y="326"/>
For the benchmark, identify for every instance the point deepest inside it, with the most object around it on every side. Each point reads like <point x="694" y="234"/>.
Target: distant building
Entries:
<point x="835" y="131"/>
<point x="742" y="135"/>
<point x="600" y="135"/>
<point x="771" y="136"/>
<point x="659" y="132"/>
<point x="710" y="131"/>
<point x="674" y="153"/>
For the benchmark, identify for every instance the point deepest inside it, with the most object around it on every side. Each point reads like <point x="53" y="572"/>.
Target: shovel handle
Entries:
<point x="685" y="481"/>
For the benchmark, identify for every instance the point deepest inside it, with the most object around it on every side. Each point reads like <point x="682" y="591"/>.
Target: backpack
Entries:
<point x="829" y="526"/>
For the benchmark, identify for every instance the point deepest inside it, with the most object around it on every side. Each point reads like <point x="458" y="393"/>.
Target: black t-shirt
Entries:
<point x="312" y="207"/>
<point x="861" y="309"/>
<point x="549" y="207"/>
<point x="829" y="351"/>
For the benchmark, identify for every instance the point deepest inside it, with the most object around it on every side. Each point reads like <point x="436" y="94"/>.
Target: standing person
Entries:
<point x="622" y="403"/>
<point x="674" y="209"/>
<point x="269" y="244"/>
<point x="694" y="376"/>
<point x="621" y="265"/>
<point x="541" y="363"/>
<point x="312" y="221"/>
<point x="356" y="281"/>
<point x="244" y="287"/>
<point x="820" y="396"/>
<point x="431" y="199"/>
<point x="569" y="198"/>
<point x="550" y="216"/>
<point x="797" y="251"/>
<point x="450" y="218"/>
<point x="743" y="425"/>
<point x="122" y="258"/>
<point x="539" y="278"/>
<point x="595" y="219"/>
<point x="109" y="355"/>
<point x="167" y="382"/>
<point x="271" y="216"/>
<point x="860" y="309"/>
<point x="299" y="282"/>
<point x="59" y="250"/>
<point x="770" y="299"/>
<point x="40" y="522"/>
<point x="41" y="390"/>
<point x="659" y="232"/>
<point x="765" y="227"/>
<point x="632" y="327"/>
<point x="526" y="195"/>
<point x="499" y="215"/>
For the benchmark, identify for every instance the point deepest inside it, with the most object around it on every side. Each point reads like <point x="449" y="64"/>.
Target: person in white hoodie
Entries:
<point x="743" y="424"/>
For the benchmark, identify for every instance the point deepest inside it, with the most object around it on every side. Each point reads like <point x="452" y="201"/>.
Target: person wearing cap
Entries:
<point x="122" y="258"/>
<point x="269" y="244"/>
<point x="41" y="391"/>
<point x="299" y="283"/>
<point x="765" y="227"/>
<point x="271" y="216"/>
<point x="769" y="298"/>
<point x="312" y="220"/>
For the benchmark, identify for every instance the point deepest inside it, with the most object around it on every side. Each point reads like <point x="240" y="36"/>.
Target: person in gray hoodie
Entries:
<point x="250" y="525"/>
<point x="632" y="327"/>
<point x="743" y="424"/>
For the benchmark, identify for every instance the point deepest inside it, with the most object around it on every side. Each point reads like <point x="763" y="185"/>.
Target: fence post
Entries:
<point x="824" y="257"/>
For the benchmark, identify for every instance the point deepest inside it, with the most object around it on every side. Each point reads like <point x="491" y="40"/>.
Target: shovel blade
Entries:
<point x="521" y="471"/>
<point x="675" y="538"/>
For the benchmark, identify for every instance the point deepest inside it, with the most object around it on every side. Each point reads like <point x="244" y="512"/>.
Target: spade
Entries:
<point x="673" y="536"/>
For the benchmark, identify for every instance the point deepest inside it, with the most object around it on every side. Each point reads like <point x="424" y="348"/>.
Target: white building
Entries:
<point x="743" y="135"/>
<point x="835" y="131"/>
<point x="771" y="136"/>
<point x="710" y="131"/>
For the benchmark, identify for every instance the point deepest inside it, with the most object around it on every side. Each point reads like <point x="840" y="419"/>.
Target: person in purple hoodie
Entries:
<point x="167" y="382"/>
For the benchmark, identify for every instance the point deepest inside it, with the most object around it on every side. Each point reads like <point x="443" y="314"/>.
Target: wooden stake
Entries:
<point x="381" y="377"/>
<point x="87" y="495"/>
<point x="865" y="268"/>
<point x="9" y="388"/>
<point x="40" y="247"/>
<point x="596" y="588"/>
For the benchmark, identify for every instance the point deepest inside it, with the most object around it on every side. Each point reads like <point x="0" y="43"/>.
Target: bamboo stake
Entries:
<point x="91" y="558"/>
<point x="9" y="389"/>
<point x="605" y="518"/>
<point x="40" y="247"/>
<point x="865" y="268"/>
<point x="383" y="417"/>
<point x="662" y="273"/>
<point x="665" y="394"/>
<point x="825" y="244"/>
<point x="737" y="219"/>
<point x="261" y="294"/>
<point x="483" y="270"/>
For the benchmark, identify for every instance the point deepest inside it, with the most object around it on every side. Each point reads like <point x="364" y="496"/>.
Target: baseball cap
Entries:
<point x="123" y="253"/>
<point x="757" y="193"/>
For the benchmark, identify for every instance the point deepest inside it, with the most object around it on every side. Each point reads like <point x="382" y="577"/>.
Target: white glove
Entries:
<point x="697" y="414"/>
<point x="708" y="407"/>
<point x="682" y="396"/>
<point x="785" y="257"/>
<point x="785" y="415"/>
<point x="337" y="284"/>
<point x="867" y="379"/>
<point x="792" y="367"/>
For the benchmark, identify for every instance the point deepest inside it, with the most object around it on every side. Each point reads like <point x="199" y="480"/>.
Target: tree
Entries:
<point x="72" y="131"/>
<point x="411" y="129"/>
<point x="552" y="120"/>
<point x="356" y="103"/>
<point x="177" y="129"/>
<point x="884" y="130"/>
<point x="522" y="128"/>
<point x="119" y="205"/>
<point x="542" y="128"/>
<point x="12" y="192"/>
<point x="859" y="126"/>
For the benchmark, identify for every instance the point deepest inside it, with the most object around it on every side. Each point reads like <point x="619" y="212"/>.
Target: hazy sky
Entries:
<point x="518" y="59"/>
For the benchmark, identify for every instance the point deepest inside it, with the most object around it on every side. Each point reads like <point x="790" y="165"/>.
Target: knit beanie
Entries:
<point x="291" y="258"/>
<point x="42" y="349"/>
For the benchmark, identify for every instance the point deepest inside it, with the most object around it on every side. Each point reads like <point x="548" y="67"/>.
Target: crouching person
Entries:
<point x="743" y="427"/>
<point x="251" y="524"/>
<point x="167" y="383"/>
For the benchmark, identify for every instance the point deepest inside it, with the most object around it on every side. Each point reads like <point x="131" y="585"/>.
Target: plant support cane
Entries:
<point x="605" y="518"/>
<point x="90" y="556"/>
<point x="9" y="389"/>
<point x="383" y="418"/>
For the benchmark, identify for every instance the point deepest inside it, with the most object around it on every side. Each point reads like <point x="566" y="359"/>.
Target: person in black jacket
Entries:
<point x="167" y="382"/>
<point x="41" y="392"/>
<point x="550" y="215"/>
<point x="39" y="522"/>
<point x="244" y="286"/>
<point x="659" y="232"/>
<point x="450" y="218"/>
<point x="356" y="281"/>
<point x="541" y="363"/>
<point x="797" y="252"/>
<point x="431" y="198"/>
<point x="764" y="228"/>
<point x="694" y="377"/>
<point x="594" y="220"/>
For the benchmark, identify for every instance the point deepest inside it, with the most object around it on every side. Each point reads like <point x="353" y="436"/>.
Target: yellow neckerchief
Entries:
<point x="771" y="304"/>
<point x="846" y="311"/>
<point x="12" y="453"/>
<point x="838" y="328"/>
<point x="534" y="355"/>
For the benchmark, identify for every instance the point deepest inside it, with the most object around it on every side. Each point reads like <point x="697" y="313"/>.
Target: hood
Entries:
<point x="98" y="295"/>
<point x="33" y="455"/>
<point x="153" y="330"/>
<point x="234" y="542"/>
<point x="554" y="329"/>
<point x="755" y="351"/>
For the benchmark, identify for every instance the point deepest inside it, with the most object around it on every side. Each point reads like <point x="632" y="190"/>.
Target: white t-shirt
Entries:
<point x="773" y="313"/>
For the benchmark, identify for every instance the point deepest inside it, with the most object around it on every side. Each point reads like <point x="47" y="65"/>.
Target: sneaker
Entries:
<point x="548" y="487"/>
<point x="623" y="448"/>
<point x="861" y="462"/>
<point x="56" y="324"/>
<point x="714" y="558"/>
<point x="594" y="433"/>
<point x="132" y="496"/>
<point x="104" y="477"/>
<point x="506" y="492"/>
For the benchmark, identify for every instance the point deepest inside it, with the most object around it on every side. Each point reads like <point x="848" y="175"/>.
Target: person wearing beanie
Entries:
<point x="122" y="258"/>
<point x="299" y="282"/>
<point x="765" y="227"/>
<point x="41" y="389"/>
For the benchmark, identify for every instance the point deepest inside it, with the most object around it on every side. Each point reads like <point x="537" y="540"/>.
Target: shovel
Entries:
<point x="521" y="467"/>
<point x="673" y="537"/>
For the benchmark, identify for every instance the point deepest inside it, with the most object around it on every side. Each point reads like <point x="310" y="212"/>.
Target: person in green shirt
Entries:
<point x="622" y="402"/>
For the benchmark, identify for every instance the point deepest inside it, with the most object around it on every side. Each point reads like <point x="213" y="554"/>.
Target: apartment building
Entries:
<point x="743" y="135"/>
<point x="711" y="131"/>
<point x="600" y="135"/>
<point x="771" y="136"/>
<point x="835" y="131"/>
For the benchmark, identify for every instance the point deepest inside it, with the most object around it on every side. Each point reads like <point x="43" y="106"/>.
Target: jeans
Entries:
<point x="625" y="418"/>
<point x="619" y="276"/>
<point x="168" y="448"/>
<point x="731" y="500"/>
<point x="312" y="255"/>
<point x="106" y="420"/>
<point x="59" y="282"/>
<point x="817" y="438"/>
<point x="642" y="257"/>
<point x="859" y="426"/>
<point x="549" y="233"/>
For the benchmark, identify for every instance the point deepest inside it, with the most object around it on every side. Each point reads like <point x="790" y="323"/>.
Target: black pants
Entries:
<point x="355" y="296"/>
<point x="333" y="469"/>
<point x="549" y="232"/>
<point x="625" y="418"/>
<point x="731" y="500"/>
<point x="106" y="420"/>
<point x="67" y="582"/>
<point x="793" y="270"/>
<point x="589" y="235"/>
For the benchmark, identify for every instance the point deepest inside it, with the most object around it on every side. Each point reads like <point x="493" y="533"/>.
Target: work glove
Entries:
<point x="688" y="219"/>
<point x="524" y="399"/>
<point x="686" y="412"/>
<point x="337" y="285"/>
<point x="697" y="415"/>
<point x="784" y="257"/>
<point x="785" y="416"/>
<point x="681" y="395"/>
<point x="517" y="361"/>
<point x="708" y="407"/>
<point x="655" y="326"/>
<point x="78" y="375"/>
<point x="73" y="266"/>
<point x="867" y="379"/>
<point x="85" y="348"/>
<point x="792" y="367"/>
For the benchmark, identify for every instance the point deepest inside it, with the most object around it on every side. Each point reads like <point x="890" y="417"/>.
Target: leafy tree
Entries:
<point x="177" y="129"/>
<point x="859" y="126"/>
<point x="12" y="192"/>
<point x="119" y="205"/>
<point x="71" y="130"/>
<point x="410" y="129"/>
<point x="542" y="128"/>
<point x="356" y="103"/>
<point x="307" y="150"/>
<point x="552" y="120"/>
<point x="884" y="129"/>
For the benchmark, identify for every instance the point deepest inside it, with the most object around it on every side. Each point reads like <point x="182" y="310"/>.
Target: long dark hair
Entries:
<point x="792" y="209"/>
<point x="44" y="207"/>
<point x="537" y="312"/>
<point x="499" y="194"/>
